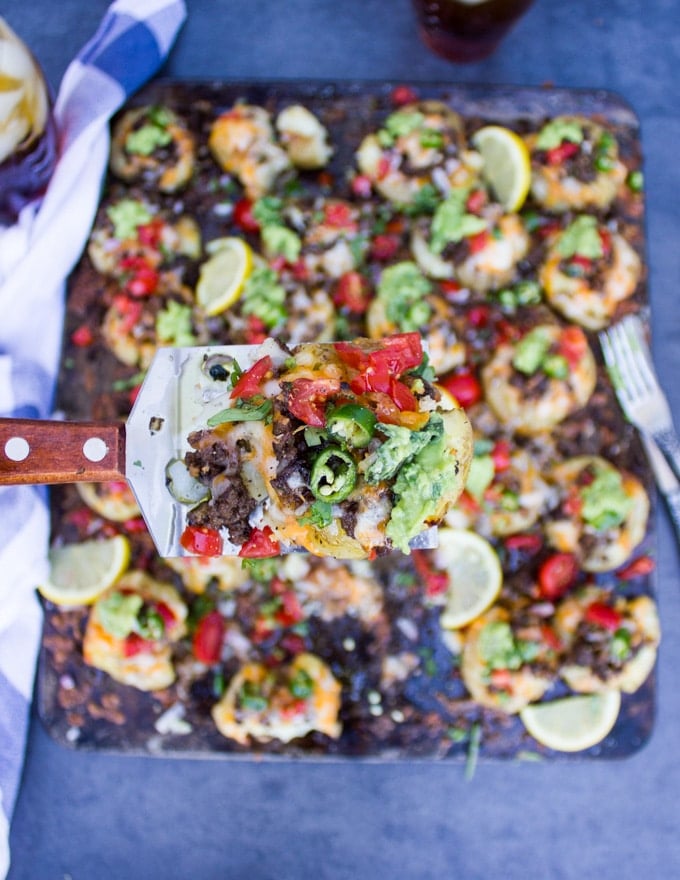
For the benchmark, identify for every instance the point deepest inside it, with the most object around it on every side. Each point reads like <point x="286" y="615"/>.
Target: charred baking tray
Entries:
<point x="428" y="714"/>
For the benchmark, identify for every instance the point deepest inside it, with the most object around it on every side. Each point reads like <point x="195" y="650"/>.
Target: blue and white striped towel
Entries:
<point x="36" y="256"/>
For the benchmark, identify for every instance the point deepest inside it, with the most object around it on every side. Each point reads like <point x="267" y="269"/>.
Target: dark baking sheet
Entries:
<point x="431" y="717"/>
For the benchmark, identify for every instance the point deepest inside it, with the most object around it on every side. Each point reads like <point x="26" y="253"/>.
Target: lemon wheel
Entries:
<point x="222" y="276"/>
<point x="475" y="575"/>
<point x="80" y="573"/>
<point x="507" y="164"/>
<point x="572" y="724"/>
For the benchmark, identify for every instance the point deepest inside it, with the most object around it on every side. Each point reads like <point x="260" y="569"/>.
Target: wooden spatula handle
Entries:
<point x="35" y="451"/>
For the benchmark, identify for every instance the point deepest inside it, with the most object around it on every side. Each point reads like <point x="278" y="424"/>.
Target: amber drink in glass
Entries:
<point x="466" y="30"/>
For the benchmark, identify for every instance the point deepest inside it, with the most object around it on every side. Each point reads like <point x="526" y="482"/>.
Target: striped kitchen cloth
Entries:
<point x="36" y="256"/>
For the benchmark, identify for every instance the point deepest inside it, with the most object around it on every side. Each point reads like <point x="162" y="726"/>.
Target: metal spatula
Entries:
<point x="177" y="397"/>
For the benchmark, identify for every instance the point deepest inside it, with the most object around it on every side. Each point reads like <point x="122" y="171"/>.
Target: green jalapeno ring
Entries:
<point x="352" y="423"/>
<point x="334" y="475"/>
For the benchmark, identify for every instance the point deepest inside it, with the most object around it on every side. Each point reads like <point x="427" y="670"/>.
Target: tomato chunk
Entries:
<point x="260" y="544"/>
<point x="202" y="540"/>
<point x="604" y="616"/>
<point x="465" y="387"/>
<point x="208" y="637"/>
<point x="557" y="574"/>
<point x="250" y="382"/>
<point x="307" y="400"/>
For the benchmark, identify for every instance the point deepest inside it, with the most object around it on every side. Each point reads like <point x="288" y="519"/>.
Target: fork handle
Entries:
<point x="673" y="507"/>
<point x="670" y="445"/>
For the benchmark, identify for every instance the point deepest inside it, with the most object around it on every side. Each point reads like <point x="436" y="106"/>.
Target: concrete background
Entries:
<point x="112" y="817"/>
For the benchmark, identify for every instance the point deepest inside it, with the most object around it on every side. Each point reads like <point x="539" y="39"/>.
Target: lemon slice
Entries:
<point x="222" y="277"/>
<point x="507" y="166"/>
<point x="475" y="575"/>
<point x="572" y="724"/>
<point x="80" y="573"/>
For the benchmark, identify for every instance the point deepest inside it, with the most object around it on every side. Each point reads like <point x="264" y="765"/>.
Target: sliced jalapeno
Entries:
<point x="352" y="423"/>
<point x="334" y="475"/>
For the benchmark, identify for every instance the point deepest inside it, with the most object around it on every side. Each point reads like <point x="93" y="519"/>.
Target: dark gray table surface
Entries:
<point x="85" y="816"/>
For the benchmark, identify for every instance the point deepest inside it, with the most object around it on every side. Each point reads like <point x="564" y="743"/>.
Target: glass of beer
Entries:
<point x="28" y="141"/>
<point x="466" y="30"/>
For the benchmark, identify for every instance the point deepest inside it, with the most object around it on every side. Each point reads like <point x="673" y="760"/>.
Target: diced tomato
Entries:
<point x="299" y="270"/>
<point x="565" y="151"/>
<point x="478" y="242"/>
<point x="384" y="247"/>
<point x="339" y="215"/>
<point x="308" y="397"/>
<point x="166" y="613"/>
<point x="141" y="278"/>
<point x="250" y="383"/>
<point x="606" y="241"/>
<point x="468" y="503"/>
<point x="82" y="336"/>
<point x="584" y="263"/>
<point x="292" y="710"/>
<point x="361" y="186"/>
<point x="478" y="316"/>
<point x="244" y="217"/>
<point x="464" y="386"/>
<point x="603" y="615"/>
<point x="500" y="455"/>
<point x="436" y="582"/>
<point x="639" y="567"/>
<point x="557" y="574"/>
<point x="278" y="586"/>
<point x="325" y="179"/>
<point x="403" y="94"/>
<point x="352" y="292"/>
<point x="202" y="540"/>
<point x="573" y="503"/>
<point x="135" y="526"/>
<point x="130" y="310"/>
<point x="260" y="545"/>
<point x="256" y="330"/>
<point x="527" y="542"/>
<point x="399" y="353"/>
<point x="501" y="679"/>
<point x="550" y="637"/>
<point x="573" y="345"/>
<point x="134" y="644"/>
<point x="262" y="629"/>
<point x="208" y="637"/>
<point x="150" y="234"/>
<point x="384" y="168"/>
<point x="450" y="289"/>
<point x="291" y="611"/>
<point x="293" y="643"/>
<point x="402" y="395"/>
<point x="475" y="201"/>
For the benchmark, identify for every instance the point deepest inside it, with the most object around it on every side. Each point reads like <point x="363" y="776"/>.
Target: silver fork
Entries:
<point x="630" y="367"/>
<point x="644" y="403"/>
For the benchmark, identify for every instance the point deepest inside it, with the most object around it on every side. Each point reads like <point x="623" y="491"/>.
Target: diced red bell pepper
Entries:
<point x="603" y="615"/>
<point x="250" y="383"/>
<point x="202" y="540"/>
<point x="308" y="397"/>
<point x="208" y="637"/>
<point x="557" y="574"/>
<point x="260" y="545"/>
